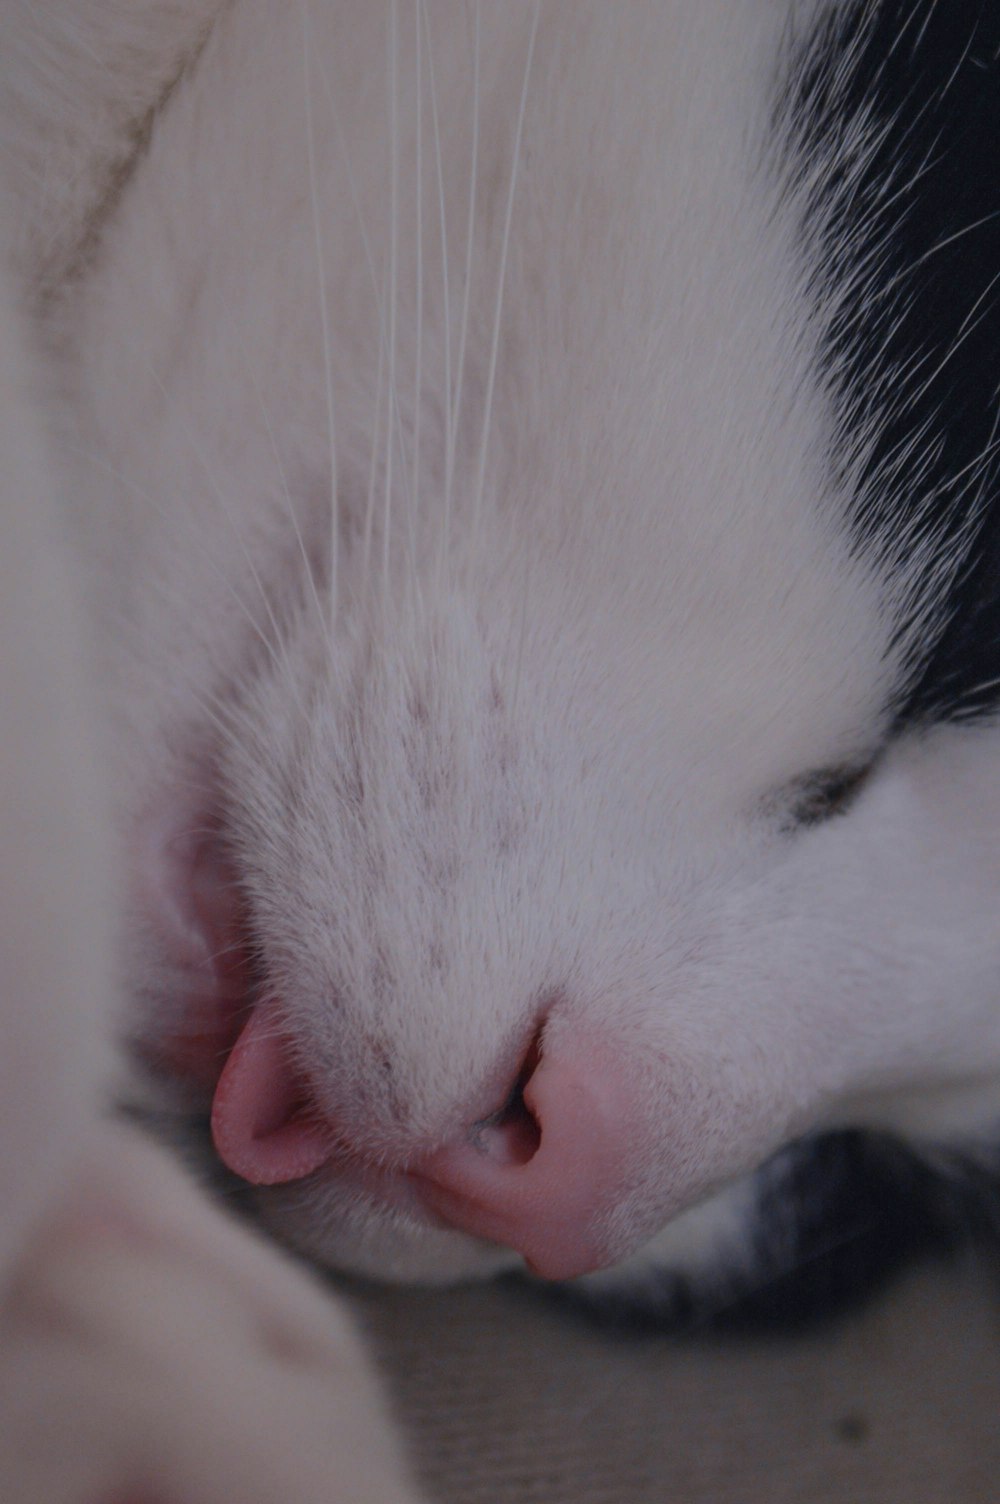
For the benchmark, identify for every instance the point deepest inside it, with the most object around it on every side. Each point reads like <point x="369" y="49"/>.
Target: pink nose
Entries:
<point x="540" y="1178"/>
<point x="536" y="1176"/>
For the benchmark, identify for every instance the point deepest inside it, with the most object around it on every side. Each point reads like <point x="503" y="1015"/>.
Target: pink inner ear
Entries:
<point x="263" y="1123"/>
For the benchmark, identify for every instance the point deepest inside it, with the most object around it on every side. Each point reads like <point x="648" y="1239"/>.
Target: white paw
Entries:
<point x="151" y="1349"/>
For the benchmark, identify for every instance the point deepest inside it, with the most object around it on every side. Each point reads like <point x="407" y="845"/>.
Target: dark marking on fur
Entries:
<point x="894" y="111"/>
<point x="839" y="1216"/>
<point x="821" y="796"/>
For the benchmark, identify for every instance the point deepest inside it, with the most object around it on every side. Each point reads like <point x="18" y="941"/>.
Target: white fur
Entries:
<point x="151" y="1348"/>
<point x="522" y="749"/>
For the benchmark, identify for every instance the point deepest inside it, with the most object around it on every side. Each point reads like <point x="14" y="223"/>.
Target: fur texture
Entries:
<point x="150" y="1348"/>
<point x="537" y="608"/>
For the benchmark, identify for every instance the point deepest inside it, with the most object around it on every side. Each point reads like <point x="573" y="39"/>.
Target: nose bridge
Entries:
<point x="446" y="1000"/>
<point x="427" y="1035"/>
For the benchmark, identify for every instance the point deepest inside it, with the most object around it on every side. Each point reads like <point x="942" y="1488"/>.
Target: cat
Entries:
<point x="535" y="476"/>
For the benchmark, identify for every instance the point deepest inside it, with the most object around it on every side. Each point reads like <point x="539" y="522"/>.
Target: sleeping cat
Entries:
<point x="535" y="479"/>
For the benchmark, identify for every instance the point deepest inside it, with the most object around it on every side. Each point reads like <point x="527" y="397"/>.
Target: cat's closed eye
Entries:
<point x="823" y="794"/>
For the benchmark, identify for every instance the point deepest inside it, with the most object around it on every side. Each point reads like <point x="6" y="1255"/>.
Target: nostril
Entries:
<point x="512" y="1135"/>
<point x="540" y="1174"/>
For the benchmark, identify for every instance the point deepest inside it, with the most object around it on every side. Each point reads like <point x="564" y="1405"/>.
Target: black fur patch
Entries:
<point x="894" y="114"/>
<point x="838" y="1216"/>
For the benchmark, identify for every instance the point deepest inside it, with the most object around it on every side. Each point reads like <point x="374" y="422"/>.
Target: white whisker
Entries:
<point x="373" y="465"/>
<point x="522" y="635"/>
<point x="270" y="646"/>
<point x="377" y="291"/>
<point x="279" y="647"/>
<point x="417" y="392"/>
<point x="449" y="424"/>
<point x="980" y="687"/>
<point x="502" y="274"/>
<point x="456" y="398"/>
<point x="379" y="299"/>
<point x="393" y="62"/>
<point x="324" y="312"/>
<point x="977" y="313"/>
<point x="289" y="505"/>
<point x="222" y="714"/>
<point x="227" y="950"/>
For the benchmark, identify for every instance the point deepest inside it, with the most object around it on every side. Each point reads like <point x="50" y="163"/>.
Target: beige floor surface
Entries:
<point x="512" y="1402"/>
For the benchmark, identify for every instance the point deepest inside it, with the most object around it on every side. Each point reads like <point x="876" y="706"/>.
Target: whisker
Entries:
<point x="456" y="398"/>
<point x="279" y="648"/>
<point x="285" y="496"/>
<point x="226" y="950"/>
<point x="970" y="324"/>
<point x="198" y="786"/>
<point x="522" y="635"/>
<point x="449" y="423"/>
<point x="289" y="505"/>
<point x="393" y="273"/>
<point x="379" y="297"/>
<point x="981" y="687"/>
<point x="399" y="435"/>
<point x="948" y="240"/>
<point x="222" y="714"/>
<point x="377" y="292"/>
<point x="187" y="832"/>
<point x="419" y="359"/>
<point x="147" y="496"/>
<point x="373" y="465"/>
<point x="501" y="277"/>
<point x="324" y="312"/>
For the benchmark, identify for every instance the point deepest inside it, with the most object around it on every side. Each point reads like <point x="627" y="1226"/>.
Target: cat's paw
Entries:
<point x="151" y="1349"/>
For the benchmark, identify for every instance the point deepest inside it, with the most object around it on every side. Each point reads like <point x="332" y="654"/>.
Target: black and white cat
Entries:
<point x="536" y="481"/>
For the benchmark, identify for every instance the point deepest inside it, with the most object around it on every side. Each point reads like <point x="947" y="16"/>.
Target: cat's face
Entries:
<point x="518" y="853"/>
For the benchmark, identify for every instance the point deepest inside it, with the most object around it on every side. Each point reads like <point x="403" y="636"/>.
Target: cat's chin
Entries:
<point x="335" y="1221"/>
